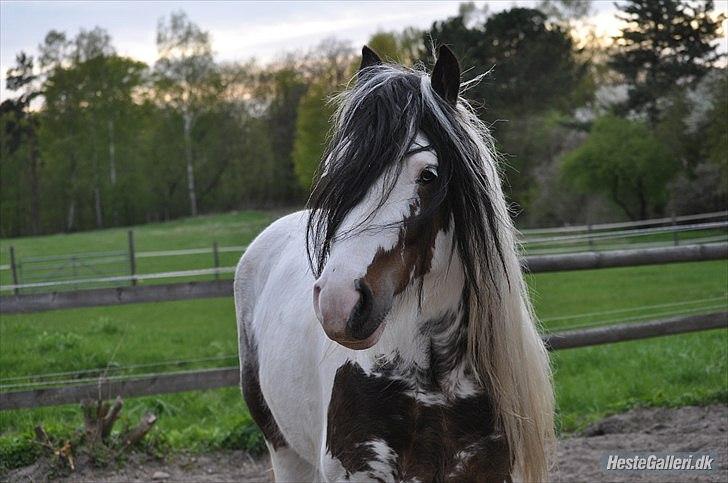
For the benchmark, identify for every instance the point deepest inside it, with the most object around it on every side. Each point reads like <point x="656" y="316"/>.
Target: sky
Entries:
<point x="239" y="30"/>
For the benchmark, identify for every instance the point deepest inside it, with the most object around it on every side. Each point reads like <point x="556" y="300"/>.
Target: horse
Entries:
<point x="385" y="333"/>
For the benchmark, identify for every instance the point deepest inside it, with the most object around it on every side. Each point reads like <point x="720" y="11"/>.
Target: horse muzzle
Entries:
<point x="351" y="313"/>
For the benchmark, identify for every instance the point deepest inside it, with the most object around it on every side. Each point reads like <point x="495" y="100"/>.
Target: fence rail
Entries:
<point x="109" y="269"/>
<point x="132" y="386"/>
<point x="625" y="224"/>
<point x="23" y="303"/>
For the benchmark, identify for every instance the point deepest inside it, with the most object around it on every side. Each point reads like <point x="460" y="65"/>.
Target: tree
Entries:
<point x="87" y="116"/>
<point x="665" y="43"/>
<point x="333" y="64"/>
<point x="187" y="80"/>
<point x="284" y="90"/>
<point x="400" y="47"/>
<point x="716" y="145"/>
<point x="564" y="10"/>
<point x="312" y="124"/>
<point x="21" y="126"/>
<point x="519" y="45"/>
<point x="533" y="74"/>
<point x="623" y="160"/>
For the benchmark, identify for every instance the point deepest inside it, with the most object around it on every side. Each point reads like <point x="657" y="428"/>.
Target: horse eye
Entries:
<point x="427" y="175"/>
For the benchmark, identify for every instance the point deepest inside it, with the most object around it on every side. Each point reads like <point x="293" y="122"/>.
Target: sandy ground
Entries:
<point x="688" y="429"/>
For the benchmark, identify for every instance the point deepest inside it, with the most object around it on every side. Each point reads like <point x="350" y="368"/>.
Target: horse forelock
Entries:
<point x="376" y="123"/>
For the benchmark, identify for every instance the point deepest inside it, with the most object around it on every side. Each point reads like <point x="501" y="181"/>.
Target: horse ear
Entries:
<point x="369" y="58"/>
<point x="446" y="75"/>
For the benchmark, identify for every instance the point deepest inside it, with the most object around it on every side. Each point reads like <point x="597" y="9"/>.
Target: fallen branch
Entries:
<point x="135" y="435"/>
<point x="110" y="418"/>
<point x="63" y="454"/>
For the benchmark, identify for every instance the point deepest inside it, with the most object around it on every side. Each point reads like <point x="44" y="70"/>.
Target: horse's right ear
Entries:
<point x="369" y="58"/>
<point x="446" y="75"/>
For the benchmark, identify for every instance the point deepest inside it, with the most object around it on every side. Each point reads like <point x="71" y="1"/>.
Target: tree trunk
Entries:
<point x="112" y="174"/>
<point x="112" y="154"/>
<point x="71" y="215"/>
<point x="642" y="200"/>
<point x="97" y="207"/>
<point x="97" y="188"/>
<point x="34" y="185"/>
<point x="187" y="118"/>
<point x="618" y="201"/>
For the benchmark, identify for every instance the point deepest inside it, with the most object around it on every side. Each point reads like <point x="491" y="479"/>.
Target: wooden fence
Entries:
<point x="141" y="385"/>
<point x="11" y="304"/>
<point x="105" y="269"/>
<point x="149" y="384"/>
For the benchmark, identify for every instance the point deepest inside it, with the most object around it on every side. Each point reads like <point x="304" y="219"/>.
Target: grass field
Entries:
<point x="590" y="382"/>
<point x="229" y="229"/>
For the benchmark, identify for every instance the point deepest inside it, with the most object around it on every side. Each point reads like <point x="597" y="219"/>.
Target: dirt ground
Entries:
<point x="688" y="429"/>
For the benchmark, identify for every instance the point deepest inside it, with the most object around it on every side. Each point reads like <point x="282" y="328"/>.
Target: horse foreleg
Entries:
<point x="288" y="466"/>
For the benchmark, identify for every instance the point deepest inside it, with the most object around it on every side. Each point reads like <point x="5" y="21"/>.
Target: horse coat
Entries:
<point x="385" y="333"/>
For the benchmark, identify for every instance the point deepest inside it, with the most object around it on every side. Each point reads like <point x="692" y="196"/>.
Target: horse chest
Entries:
<point x="381" y="427"/>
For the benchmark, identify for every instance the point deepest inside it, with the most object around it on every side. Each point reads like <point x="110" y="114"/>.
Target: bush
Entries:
<point x="624" y="161"/>
<point x="703" y="192"/>
<point x="17" y="451"/>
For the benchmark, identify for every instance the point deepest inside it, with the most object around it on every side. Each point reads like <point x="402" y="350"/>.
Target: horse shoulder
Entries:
<point x="279" y="335"/>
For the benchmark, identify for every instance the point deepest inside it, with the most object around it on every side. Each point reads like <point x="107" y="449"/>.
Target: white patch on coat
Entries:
<point x="382" y="467"/>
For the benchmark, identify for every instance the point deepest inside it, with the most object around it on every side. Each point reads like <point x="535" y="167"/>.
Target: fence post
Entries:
<point x="590" y="234"/>
<point x="216" y="259"/>
<point x="74" y="272"/>
<point x="674" y="230"/>
<point x="14" y="270"/>
<point x="132" y="258"/>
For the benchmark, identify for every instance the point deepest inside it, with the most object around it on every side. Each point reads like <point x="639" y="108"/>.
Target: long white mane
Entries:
<point x="504" y="345"/>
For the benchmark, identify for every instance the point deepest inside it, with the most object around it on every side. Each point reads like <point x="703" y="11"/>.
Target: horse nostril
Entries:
<point x="316" y="296"/>
<point x="359" y="317"/>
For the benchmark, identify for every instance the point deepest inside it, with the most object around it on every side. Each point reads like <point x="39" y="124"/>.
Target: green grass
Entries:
<point x="659" y="239"/>
<point x="570" y="294"/>
<point x="590" y="382"/>
<point x="229" y="229"/>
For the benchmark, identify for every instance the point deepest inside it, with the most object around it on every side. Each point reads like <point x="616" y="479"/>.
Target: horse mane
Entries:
<point x="377" y="119"/>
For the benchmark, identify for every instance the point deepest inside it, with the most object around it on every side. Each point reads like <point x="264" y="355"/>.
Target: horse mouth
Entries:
<point x="359" y="344"/>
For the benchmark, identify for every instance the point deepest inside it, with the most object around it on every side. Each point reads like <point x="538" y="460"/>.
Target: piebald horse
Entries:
<point x="385" y="333"/>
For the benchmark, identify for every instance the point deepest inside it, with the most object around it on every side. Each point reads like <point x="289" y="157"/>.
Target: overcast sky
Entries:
<point x="239" y="30"/>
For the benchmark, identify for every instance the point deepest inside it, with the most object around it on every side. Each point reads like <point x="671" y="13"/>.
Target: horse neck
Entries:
<point x="426" y="337"/>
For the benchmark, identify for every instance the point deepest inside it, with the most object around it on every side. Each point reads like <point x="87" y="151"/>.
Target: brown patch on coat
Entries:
<point x="411" y="257"/>
<point x="257" y="405"/>
<point x="454" y="442"/>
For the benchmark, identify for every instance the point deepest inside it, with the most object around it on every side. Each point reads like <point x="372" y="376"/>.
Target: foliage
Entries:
<point x="92" y="139"/>
<point x="186" y="81"/>
<point x="115" y="143"/>
<point x="716" y="144"/>
<point x="333" y="65"/>
<point x="17" y="451"/>
<point x="244" y="435"/>
<point x="703" y="190"/>
<point x="19" y="148"/>
<point x="624" y="161"/>
<point x="399" y="47"/>
<point x="520" y="45"/>
<point x="314" y="113"/>
<point x="665" y="43"/>
<point x="515" y="47"/>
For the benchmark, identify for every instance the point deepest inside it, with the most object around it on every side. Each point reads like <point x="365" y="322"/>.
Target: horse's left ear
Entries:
<point x="369" y="58"/>
<point x="446" y="75"/>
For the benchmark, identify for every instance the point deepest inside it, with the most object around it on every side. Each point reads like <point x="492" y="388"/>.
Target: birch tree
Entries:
<point x="187" y="81"/>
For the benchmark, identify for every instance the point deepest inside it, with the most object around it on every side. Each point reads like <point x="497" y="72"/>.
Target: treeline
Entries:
<point x="93" y="139"/>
